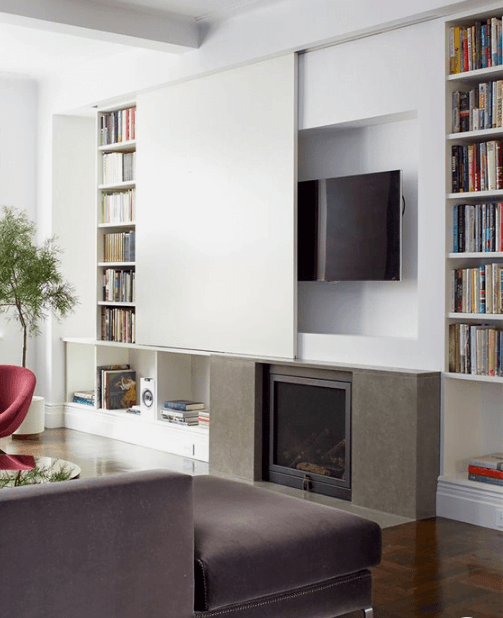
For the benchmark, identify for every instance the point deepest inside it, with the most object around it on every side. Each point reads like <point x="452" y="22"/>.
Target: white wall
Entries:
<point x="361" y="73"/>
<point x="385" y="75"/>
<point x="18" y="183"/>
<point x="74" y="224"/>
<point x="250" y="35"/>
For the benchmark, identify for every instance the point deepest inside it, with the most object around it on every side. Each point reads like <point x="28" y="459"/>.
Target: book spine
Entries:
<point x="87" y="402"/>
<point x="173" y="405"/>
<point x="455" y="244"/>
<point x="497" y="474"/>
<point x="485" y="479"/>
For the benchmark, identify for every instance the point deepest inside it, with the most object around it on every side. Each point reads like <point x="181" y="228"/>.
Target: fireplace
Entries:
<point x="308" y="434"/>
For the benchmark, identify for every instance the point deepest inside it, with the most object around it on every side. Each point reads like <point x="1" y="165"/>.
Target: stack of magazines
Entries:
<point x="487" y="469"/>
<point x="182" y="411"/>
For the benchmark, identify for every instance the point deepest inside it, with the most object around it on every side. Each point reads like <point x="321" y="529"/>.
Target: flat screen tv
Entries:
<point x="350" y="228"/>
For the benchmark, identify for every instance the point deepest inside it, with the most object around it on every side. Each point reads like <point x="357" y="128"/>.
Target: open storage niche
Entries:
<point x="368" y="308"/>
<point x="177" y="375"/>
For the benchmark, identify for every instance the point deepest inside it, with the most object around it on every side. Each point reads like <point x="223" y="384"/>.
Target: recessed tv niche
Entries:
<point x="350" y="228"/>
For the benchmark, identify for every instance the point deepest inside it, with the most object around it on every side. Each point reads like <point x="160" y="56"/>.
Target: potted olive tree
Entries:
<point x="31" y="285"/>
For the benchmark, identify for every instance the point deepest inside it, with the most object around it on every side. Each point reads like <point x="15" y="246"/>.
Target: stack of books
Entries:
<point x="487" y="469"/>
<point x="182" y="411"/>
<point x="88" y="398"/>
<point x="204" y="418"/>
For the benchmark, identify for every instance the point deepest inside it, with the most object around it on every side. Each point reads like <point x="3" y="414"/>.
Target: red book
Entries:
<point x="495" y="474"/>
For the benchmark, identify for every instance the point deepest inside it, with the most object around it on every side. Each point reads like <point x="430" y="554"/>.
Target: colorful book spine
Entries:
<point x="485" y="479"/>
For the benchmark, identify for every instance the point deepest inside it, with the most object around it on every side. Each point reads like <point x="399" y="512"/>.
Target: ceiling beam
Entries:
<point x="161" y="31"/>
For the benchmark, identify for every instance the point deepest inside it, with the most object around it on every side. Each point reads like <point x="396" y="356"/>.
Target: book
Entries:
<point x="485" y="479"/>
<point x="183" y="404"/>
<point x="493" y="461"/>
<point x="179" y="421"/>
<point x="99" y="379"/>
<point x="86" y="402"/>
<point x="119" y="389"/>
<point x="495" y="474"/>
<point x="180" y="413"/>
<point x="85" y="394"/>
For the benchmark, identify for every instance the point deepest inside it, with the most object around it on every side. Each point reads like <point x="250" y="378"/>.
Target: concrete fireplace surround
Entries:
<point x="395" y="428"/>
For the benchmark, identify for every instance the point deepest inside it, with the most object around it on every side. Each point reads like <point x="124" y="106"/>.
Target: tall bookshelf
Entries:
<point x="116" y="225"/>
<point x="473" y="378"/>
<point x="177" y="373"/>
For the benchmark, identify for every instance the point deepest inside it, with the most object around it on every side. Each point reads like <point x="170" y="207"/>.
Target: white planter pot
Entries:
<point x="34" y="423"/>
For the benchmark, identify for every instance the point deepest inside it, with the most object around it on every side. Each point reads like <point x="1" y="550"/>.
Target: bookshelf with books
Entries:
<point x="116" y="225"/>
<point x="473" y="379"/>
<point x="103" y="383"/>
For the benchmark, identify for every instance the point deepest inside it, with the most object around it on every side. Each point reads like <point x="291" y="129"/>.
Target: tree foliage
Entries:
<point x="30" y="282"/>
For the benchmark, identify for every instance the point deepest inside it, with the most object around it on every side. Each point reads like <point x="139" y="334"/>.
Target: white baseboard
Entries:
<point x="480" y="504"/>
<point x="190" y="442"/>
<point x="54" y="415"/>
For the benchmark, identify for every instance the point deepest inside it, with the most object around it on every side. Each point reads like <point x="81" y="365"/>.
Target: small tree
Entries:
<point x="30" y="281"/>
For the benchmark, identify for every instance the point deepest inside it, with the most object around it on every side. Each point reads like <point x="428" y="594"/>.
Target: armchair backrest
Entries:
<point x="17" y="385"/>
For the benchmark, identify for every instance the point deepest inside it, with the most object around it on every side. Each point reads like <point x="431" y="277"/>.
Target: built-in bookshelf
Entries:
<point x="116" y="225"/>
<point x="174" y="373"/>
<point x="473" y="379"/>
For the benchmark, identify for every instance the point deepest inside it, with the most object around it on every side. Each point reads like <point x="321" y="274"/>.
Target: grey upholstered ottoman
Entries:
<point x="259" y="554"/>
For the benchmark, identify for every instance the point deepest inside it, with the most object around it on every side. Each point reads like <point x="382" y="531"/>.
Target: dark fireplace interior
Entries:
<point x="309" y="435"/>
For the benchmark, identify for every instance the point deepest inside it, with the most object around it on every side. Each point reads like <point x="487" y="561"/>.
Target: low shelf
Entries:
<point x="470" y="501"/>
<point x="190" y="442"/>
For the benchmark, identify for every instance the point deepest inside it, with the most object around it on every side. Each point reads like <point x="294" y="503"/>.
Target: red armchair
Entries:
<point x="17" y="385"/>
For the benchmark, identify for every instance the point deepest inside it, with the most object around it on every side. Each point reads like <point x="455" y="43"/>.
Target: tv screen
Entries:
<point x="349" y="228"/>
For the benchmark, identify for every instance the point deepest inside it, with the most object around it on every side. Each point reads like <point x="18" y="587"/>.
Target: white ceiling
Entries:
<point x="39" y="53"/>
<point x="198" y="9"/>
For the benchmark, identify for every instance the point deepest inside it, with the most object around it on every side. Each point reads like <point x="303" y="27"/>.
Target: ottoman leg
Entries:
<point x="368" y="613"/>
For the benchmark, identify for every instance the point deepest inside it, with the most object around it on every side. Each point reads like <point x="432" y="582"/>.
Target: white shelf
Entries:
<point x="192" y="442"/>
<point x="479" y="255"/>
<point x="114" y="225"/>
<point x="110" y="303"/>
<point x="470" y="501"/>
<point x="135" y="346"/>
<point x="477" y="194"/>
<point x="198" y="429"/>
<point x="473" y="378"/>
<point x="465" y="482"/>
<point x="477" y="74"/>
<point x="119" y="147"/>
<point x="126" y="184"/>
<point x="113" y="264"/>
<point x="473" y="135"/>
<point x="477" y="317"/>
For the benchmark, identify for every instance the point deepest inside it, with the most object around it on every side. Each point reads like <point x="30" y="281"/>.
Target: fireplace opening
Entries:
<point x="308" y="435"/>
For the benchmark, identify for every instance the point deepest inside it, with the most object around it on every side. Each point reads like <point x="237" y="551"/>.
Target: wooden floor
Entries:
<point x="436" y="568"/>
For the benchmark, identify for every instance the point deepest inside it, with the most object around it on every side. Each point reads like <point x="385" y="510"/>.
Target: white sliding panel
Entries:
<point x="216" y="186"/>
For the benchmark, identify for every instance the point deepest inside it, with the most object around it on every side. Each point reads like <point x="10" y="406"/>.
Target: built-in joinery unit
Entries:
<point x="473" y="379"/>
<point x="116" y="225"/>
<point x="114" y="361"/>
